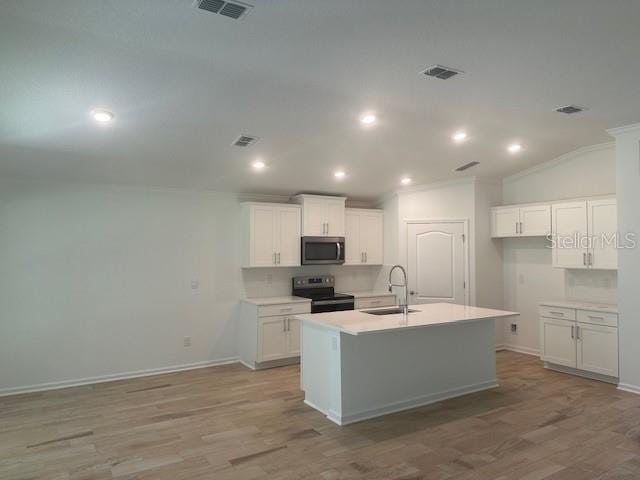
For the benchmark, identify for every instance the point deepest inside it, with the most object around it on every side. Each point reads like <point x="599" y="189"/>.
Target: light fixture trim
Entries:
<point x="339" y="174"/>
<point x="102" y="115"/>
<point x="406" y="180"/>
<point x="258" y="165"/>
<point x="459" y="136"/>
<point x="368" y="119"/>
<point x="514" y="148"/>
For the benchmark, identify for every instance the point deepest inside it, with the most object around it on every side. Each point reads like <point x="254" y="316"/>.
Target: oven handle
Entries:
<point x="333" y="302"/>
<point x="338" y="245"/>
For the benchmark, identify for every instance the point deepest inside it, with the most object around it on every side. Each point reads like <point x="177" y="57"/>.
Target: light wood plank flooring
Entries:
<point x="230" y="423"/>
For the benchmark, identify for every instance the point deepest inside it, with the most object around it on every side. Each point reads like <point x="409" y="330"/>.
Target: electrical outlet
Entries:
<point x="187" y="341"/>
<point x="514" y="328"/>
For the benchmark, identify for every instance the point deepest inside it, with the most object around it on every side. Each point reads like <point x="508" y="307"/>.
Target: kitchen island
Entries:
<point x="356" y="365"/>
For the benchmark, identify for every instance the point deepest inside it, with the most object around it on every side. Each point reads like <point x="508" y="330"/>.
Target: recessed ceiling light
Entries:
<point x="339" y="174"/>
<point x="514" y="148"/>
<point x="102" y="116"/>
<point x="368" y="119"/>
<point x="405" y="181"/>
<point x="258" y="165"/>
<point x="459" y="136"/>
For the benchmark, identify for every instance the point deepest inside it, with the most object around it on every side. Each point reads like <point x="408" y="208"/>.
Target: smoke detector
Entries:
<point x="235" y="10"/>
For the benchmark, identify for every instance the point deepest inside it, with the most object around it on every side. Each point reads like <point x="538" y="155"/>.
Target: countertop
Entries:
<point x="581" y="305"/>
<point x="356" y="322"/>
<point x="276" y="300"/>
<point x="370" y="293"/>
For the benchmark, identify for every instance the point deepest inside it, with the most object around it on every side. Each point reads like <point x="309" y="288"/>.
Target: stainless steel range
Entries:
<point x="320" y="289"/>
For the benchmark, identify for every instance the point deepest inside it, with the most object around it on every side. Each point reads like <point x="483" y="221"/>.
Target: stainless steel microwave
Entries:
<point x="322" y="250"/>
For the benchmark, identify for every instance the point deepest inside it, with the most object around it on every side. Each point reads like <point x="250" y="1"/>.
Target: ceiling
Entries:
<point x="184" y="83"/>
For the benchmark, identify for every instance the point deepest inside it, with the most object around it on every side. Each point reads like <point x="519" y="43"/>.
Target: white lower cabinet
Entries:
<point x="269" y="332"/>
<point x="584" y="340"/>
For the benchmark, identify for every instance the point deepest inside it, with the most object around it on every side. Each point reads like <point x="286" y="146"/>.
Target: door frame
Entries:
<point x="465" y="246"/>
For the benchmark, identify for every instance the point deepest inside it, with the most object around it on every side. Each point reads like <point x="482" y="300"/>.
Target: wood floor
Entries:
<point x="231" y="423"/>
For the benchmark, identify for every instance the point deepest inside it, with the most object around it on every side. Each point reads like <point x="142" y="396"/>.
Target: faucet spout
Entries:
<point x="405" y="307"/>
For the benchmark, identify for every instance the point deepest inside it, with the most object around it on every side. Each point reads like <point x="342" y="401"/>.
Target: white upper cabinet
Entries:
<point x="273" y="236"/>
<point x="322" y="216"/>
<point x="602" y="218"/>
<point x="584" y="234"/>
<point x="363" y="236"/>
<point x="521" y="221"/>
<point x="569" y="230"/>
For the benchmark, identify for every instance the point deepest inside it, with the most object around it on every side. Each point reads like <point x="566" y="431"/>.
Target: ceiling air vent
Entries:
<point x="466" y="166"/>
<point x="441" y="72"/>
<point x="235" y="10"/>
<point x="569" y="109"/>
<point x="245" y="141"/>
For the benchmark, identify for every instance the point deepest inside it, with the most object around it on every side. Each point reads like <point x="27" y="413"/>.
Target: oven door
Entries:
<point x="320" y="306"/>
<point x="322" y="250"/>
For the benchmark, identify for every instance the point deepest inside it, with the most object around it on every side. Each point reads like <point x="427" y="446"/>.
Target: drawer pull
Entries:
<point x="592" y="317"/>
<point x="561" y="314"/>
<point x="375" y="302"/>
<point x="286" y="309"/>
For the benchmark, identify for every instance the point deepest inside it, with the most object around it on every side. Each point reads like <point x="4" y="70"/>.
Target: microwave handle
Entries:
<point x="338" y="245"/>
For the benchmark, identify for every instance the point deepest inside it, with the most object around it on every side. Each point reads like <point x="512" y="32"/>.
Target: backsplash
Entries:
<point x="592" y="285"/>
<point x="274" y="282"/>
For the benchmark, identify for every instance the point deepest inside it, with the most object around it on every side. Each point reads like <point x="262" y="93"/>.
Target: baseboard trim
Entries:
<point x="5" y="392"/>
<point x="407" y="404"/>
<point x="627" y="387"/>
<point x="518" y="349"/>
<point x="581" y="373"/>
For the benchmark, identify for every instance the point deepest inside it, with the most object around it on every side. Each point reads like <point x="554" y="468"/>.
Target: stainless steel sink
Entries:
<point x="386" y="311"/>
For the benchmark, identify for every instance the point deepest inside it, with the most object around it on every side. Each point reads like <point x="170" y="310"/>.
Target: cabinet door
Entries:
<point x="557" y="342"/>
<point x="314" y="217"/>
<point x="598" y="349"/>
<point x="293" y="337"/>
<point x="353" y="251"/>
<point x="272" y="338"/>
<point x="262" y="236"/>
<point x="535" y="220"/>
<point x="603" y="226"/>
<point x="288" y="236"/>
<point x="335" y="218"/>
<point x="504" y="221"/>
<point x="569" y="225"/>
<point x="371" y="241"/>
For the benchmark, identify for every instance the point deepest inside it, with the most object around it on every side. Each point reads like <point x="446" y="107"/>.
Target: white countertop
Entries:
<point x="370" y="293"/>
<point x="276" y="300"/>
<point x="581" y="305"/>
<point x="356" y="322"/>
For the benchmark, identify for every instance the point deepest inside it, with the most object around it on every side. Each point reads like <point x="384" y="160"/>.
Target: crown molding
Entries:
<point x="558" y="160"/>
<point x="624" y="129"/>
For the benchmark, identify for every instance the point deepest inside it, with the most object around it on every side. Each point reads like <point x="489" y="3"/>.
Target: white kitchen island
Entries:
<point x="355" y="365"/>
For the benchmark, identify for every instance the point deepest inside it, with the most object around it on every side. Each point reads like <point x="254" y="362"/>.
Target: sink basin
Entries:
<point x="386" y="311"/>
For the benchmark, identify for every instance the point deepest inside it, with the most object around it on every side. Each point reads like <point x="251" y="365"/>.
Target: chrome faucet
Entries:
<point x="405" y="307"/>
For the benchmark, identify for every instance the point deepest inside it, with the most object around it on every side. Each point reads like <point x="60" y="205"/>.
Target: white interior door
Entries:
<point x="436" y="262"/>
<point x="603" y="224"/>
<point x="569" y="223"/>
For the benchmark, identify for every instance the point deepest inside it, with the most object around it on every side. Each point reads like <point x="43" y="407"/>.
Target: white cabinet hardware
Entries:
<point x="364" y="236"/>
<point x="272" y="234"/>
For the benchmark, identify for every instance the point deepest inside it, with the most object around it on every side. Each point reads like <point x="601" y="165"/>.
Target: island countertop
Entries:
<point x="356" y="322"/>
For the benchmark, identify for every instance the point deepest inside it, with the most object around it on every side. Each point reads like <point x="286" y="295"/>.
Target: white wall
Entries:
<point x="528" y="275"/>
<point x="628" y="183"/>
<point x="97" y="281"/>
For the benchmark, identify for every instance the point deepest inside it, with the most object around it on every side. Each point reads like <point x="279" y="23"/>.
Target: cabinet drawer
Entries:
<point x="598" y="318"/>
<point x="373" y="302"/>
<point x="557" y="312"/>
<point x="284" y="309"/>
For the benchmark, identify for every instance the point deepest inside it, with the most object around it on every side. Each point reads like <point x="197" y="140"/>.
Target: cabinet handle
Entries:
<point x="595" y="318"/>
<point x="366" y="258"/>
<point x="578" y="332"/>
<point x="572" y="330"/>
<point x="560" y="314"/>
<point x="584" y="259"/>
<point x="274" y="258"/>
<point x="278" y="258"/>
<point x="284" y="325"/>
<point x="590" y="255"/>
<point x="327" y="229"/>
<point x="517" y="228"/>
<point x="286" y="309"/>
<point x="521" y="230"/>
<point x="361" y="257"/>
